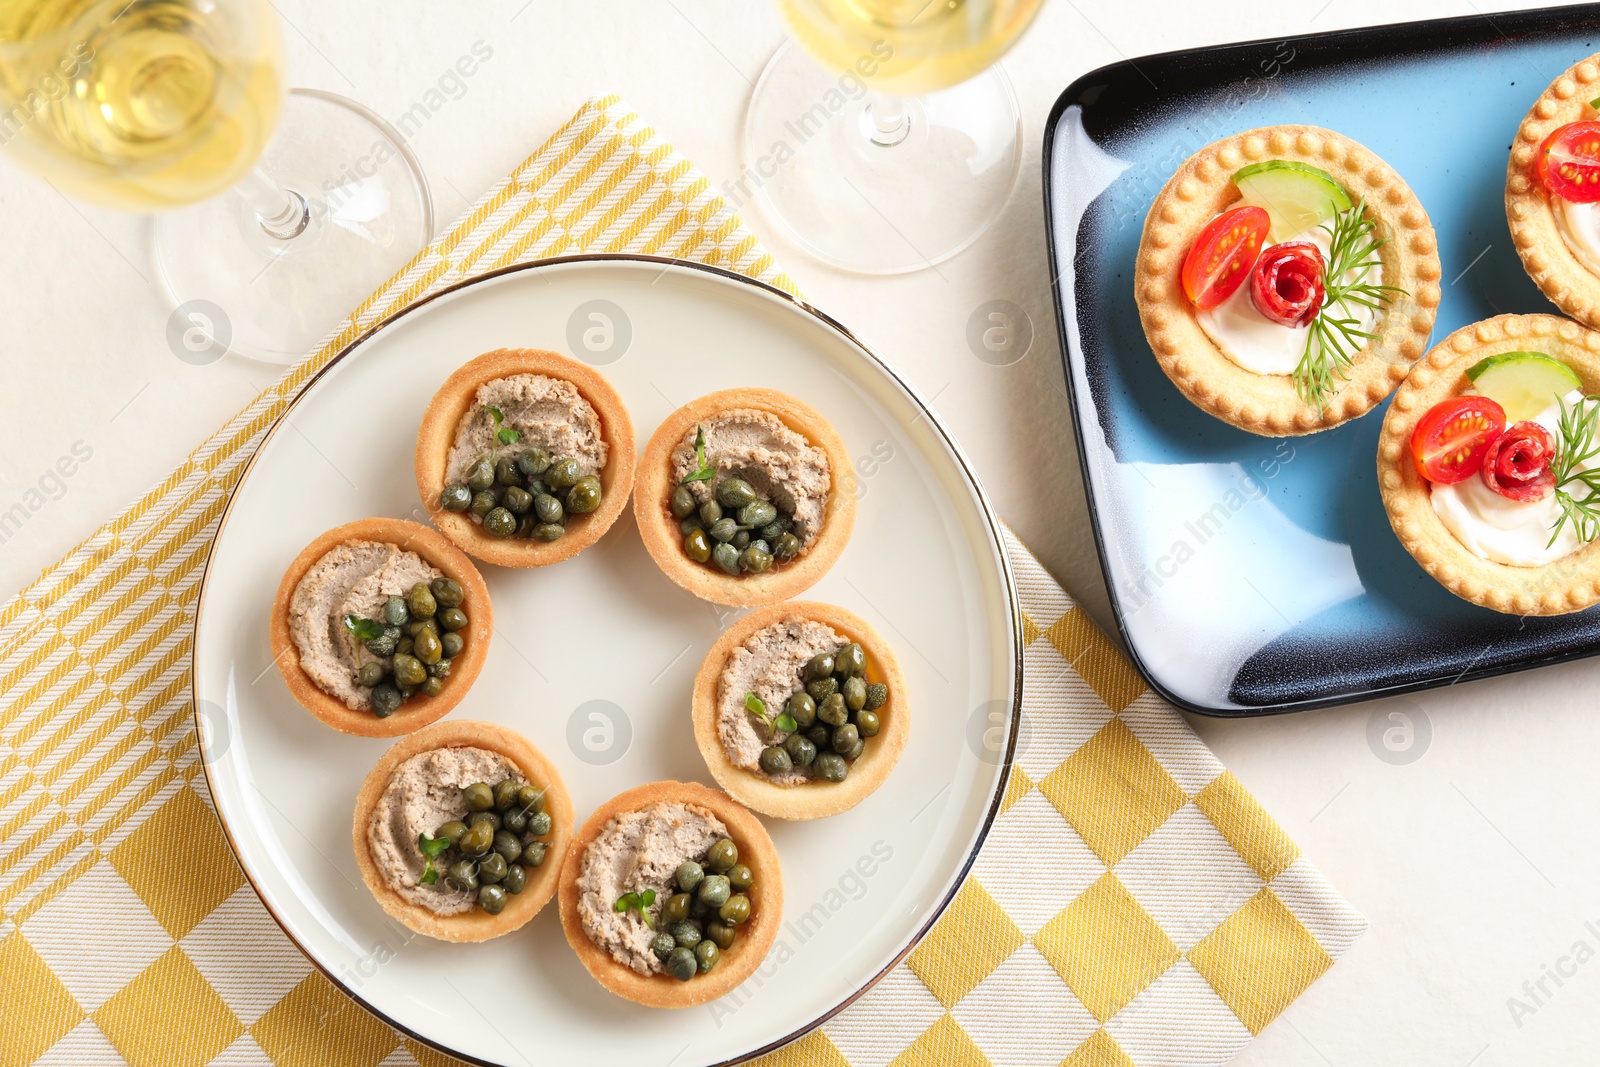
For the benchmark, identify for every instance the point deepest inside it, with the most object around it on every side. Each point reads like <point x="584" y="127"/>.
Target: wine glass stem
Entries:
<point x="282" y="213"/>
<point x="888" y="119"/>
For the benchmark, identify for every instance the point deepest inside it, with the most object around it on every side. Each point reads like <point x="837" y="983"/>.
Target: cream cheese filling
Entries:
<point x="1579" y="226"/>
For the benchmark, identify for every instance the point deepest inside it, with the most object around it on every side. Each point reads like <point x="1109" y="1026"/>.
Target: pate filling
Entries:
<point x="780" y="465"/>
<point x="355" y="578"/>
<point x="639" y="850"/>
<point x="423" y="793"/>
<point x="543" y="412"/>
<point x="769" y="664"/>
<point x="1261" y="346"/>
<point x="1501" y="530"/>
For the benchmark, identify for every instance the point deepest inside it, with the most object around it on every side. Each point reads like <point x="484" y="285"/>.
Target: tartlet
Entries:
<point x="1268" y="404"/>
<point x="815" y="799"/>
<point x="475" y="925"/>
<point x="1570" y="285"/>
<point x="659" y="529"/>
<point x="419" y="711"/>
<point x="756" y="936"/>
<point x="1569" y="584"/>
<point x="455" y="400"/>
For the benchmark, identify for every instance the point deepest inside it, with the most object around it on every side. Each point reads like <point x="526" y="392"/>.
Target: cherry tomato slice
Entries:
<point x="1517" y="463"/>
<point x="1449" y="442"/>
<point x="1569" y="162"/>
<point x="1220" y="259"/>
<point x="1286" y="285"/>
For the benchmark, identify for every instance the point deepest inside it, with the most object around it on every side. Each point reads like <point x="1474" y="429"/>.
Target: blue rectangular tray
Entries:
<point x="1253" y="575"/>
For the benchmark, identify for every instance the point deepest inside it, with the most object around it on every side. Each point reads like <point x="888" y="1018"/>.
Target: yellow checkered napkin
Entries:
<point x="1133" y="905"/>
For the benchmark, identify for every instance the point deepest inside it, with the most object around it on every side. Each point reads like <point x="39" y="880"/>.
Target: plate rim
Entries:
<point x="1505" y="26"/>
<point x="991" y="522"/>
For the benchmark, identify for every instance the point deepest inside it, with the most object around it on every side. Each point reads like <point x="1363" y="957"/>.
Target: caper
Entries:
<point x="868" y="723"/>
<point x="662" y="945"/>
<point x="533" y="853"/>
<point x="741" y="877"/>
<point x="506" y="472"/>
<point x="439" y="669"/>
<point x="757" y="513"/>
<point x="690" y="525"/>
<point x="505" y="793"/>
<point x="707" y="955"/>
<point x="584" y="496"/>
<point x="755" y="560"/>
<point x="457" y="497"/>
<point x="722" y="855"/>
<point x="548" y="509"/>
<point x="539" y="823"/>
<point x="854" y="691"/>
<point x="801" y="708"/>
<point x="407" y="691"/>
<point x="492" y="899"/>
<point x="563" y="474"/>
<point x="833" y="711"/>
<point x="741" y="540"/>
<point x="370" y="674"/>
<point x="447" y="592"/>
<point x="481" y="474"/>
<point x="820" y="736"/>
<point x="477" y="840"/>
<point x="517" y="500"/>
<point x="408" y="670"/>
<point x="714" y="890"/>
<point x="483" y="502"/>
<point x="385" y="700"/>
<point x="395" y="612"/>
<point x="831" y="767"/>
<point x="463" y="875"/>
<point x="453" y="619"/>
<point x="735" y="493"/>
<point x="682" y="965"/>
<point x="776" y="528"/>
<point x="548" y="531"/>
<point x="533" y="462"/>
<point x="531" y="797"/>
<point x="452" y="644"/>
<point x="775" y="760"/>
<point x="507" y="846"/>
<point x="433" y="686"/>
<point x="877" y="693"/>
<point x="735" y="910"/>
<point x="698" y="908"/>
<point x="499" y="523"/>
<point x="683" y="503"/>
<point x="801" y="750"/>
<point x="384" y="644"/>
<point x="515" y="820"/>
<point x="418" y="625"/>
<point x="492" y="868"/>
<point x="538" y="487"/>
<point x="723" y="530"/>
<point x="821" y="689"/>
<point x="697" y="546"/>
<point x="762" y="545"/>
<point x="786" y="546"/>
<point x="426" y="647"/>
<point x="820" y="666"/>
<point x="726" y="557"/>
<point x="850" y="662"/>
<point x="854" y="751"/>
<point x="676" y="909"/>
<point x="710" y="511"/>
<point x="845" y="738"/>
<point x="685" y="933"/>
<point x="720" y="934"/>
<point x="478" y="796"/>
<point x="688" y="875"/>
<point x="420" y="601"/>
<point x="516" y="879"/>
<point x="491" y="819"/>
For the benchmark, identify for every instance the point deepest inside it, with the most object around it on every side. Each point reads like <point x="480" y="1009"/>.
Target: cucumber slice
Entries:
<point x="1524" y="383"/>
<point x="1295" y="195"/>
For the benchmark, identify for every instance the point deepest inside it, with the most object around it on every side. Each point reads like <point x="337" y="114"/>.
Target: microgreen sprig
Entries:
<point x="432" y="848"/>
<point x="1576" y="448"/>
<point x="502" y="433"/>
<point x="758" y="707"/>
<point x="1335" y="334"/>
<point x="363" y="629"/>
<point x="703" y="471"/>
<point x="639" y="902"/>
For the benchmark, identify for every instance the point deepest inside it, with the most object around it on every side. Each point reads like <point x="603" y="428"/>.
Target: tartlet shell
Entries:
<point x="1566" y="585"/>
<point x="419" y="711"/>
<point x="756" y="935"/>
<point x="815" y="799"/>
<point x="475" y="925"/>
<point x="1203" y="188"/>
<point x="659" y="530"/>
<point x="454" y="401"/>
<point x="1570" y="285"/>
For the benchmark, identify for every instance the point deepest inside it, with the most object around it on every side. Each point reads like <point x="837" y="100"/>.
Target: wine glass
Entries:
<point x="900" y="150"/>
<point x="162" y="105"/>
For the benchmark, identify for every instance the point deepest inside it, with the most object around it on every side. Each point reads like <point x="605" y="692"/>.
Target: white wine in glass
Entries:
<point x="167" y="105"/>
<point x="901" y="148"/>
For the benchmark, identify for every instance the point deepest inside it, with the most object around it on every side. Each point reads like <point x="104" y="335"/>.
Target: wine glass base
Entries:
<point x="273" y="300"/>
<point x="869" y="199"/>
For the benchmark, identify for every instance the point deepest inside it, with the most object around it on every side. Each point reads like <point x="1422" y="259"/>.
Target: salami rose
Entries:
<point x="1286" y="285"/>
<point x="1517" y="465"/>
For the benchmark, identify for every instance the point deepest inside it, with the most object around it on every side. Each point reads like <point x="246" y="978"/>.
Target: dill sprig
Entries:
<point x="1336" y="335"/>
<point x="1576" y="447"/>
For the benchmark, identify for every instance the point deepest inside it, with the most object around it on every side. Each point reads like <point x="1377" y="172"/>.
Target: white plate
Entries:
<point x="593" y="661"/>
